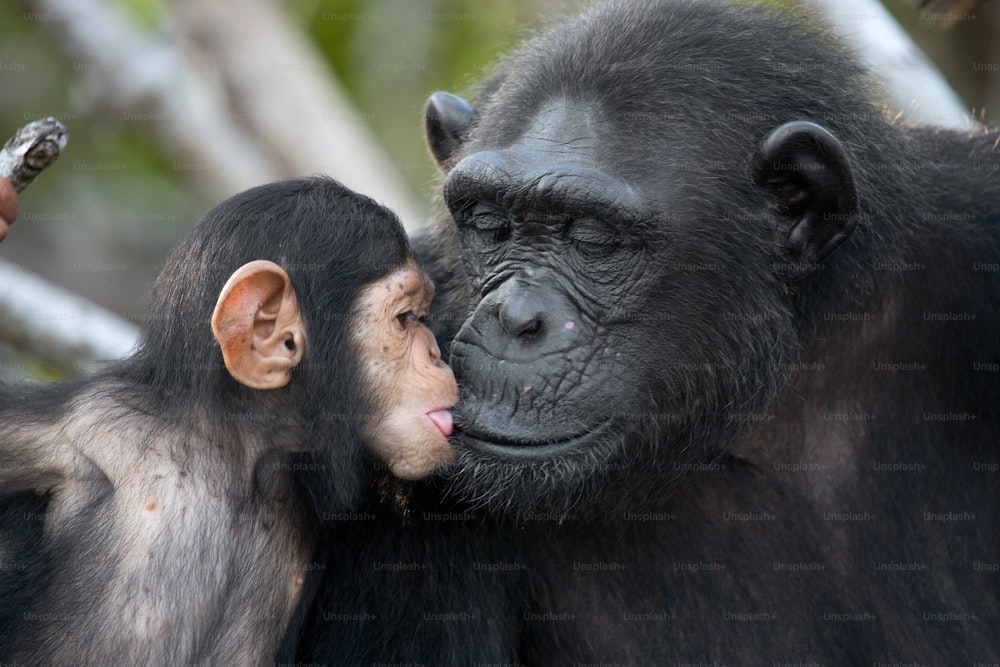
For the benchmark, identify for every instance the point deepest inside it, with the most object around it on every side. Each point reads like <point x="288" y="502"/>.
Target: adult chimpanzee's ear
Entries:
<point x="258" y="325"/>
<point x="807" y="171"/>
<point x="447" y="119"/>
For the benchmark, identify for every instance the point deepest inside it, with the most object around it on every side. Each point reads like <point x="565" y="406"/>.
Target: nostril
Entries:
<point x="521" y="318"/>
<point x="530" y="331"/>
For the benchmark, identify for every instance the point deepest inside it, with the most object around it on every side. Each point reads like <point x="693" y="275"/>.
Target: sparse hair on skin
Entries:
<point x="181" y="507"/>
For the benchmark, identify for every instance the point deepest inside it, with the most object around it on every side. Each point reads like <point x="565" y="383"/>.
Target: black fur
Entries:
<point x="173" y="407"/>
<point x="332" y="242"/>
<point x="780" y="461"/>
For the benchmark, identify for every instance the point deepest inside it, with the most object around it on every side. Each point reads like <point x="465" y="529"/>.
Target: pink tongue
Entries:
<point x="441" y="419"/>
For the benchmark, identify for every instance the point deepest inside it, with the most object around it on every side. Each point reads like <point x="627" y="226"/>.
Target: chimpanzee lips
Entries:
<point x="498" y="445"/>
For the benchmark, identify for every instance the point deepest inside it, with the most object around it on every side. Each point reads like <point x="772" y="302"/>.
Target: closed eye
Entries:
<point x="594" y="238"/>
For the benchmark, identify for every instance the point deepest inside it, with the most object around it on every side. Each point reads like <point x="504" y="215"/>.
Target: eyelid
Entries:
<point x="587" y="226"/>
<point x="408" y="315"/>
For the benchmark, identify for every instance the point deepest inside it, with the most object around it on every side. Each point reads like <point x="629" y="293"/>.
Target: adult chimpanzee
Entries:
<point x="728" y="367"/>
<point x="185" y="485"/>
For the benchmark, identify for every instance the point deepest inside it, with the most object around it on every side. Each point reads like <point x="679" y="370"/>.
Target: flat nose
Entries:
<point x="522" y="316"/>
<point x="533" y="314"/>
<point x="523" y="319"/>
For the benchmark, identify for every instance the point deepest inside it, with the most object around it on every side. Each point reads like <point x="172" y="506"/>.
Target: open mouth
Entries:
<point x="497" y="445"/>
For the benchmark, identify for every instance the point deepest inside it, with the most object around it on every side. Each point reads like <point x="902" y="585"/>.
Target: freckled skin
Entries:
<point x="404" y="363"/>
<point x="174" y="502"/>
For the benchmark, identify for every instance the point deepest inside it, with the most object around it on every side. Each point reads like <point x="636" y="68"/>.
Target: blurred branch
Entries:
<point x="61" y="328"/>
<point x="288" y="97"/>
<point x="133" y="79"/>
<point x="229" y="113"/>
<point x="945" y="12"/>
<point x="913" y="84"/>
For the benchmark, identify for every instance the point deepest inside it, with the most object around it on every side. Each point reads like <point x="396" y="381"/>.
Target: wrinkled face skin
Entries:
<point x="413" y="387"/>
<point x="549" y="241"/>
<point x="594" y="344"/>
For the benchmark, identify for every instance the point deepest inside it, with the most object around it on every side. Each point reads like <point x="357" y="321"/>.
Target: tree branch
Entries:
<point x="61" y="328"/>
<point x="65" y="330"/>
<point x="232" y="125"/>
<point x="914" y="86"/>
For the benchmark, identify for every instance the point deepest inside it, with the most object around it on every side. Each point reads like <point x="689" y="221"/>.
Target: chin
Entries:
<point x="532" y="481"/>
<point x="433" y="454"/>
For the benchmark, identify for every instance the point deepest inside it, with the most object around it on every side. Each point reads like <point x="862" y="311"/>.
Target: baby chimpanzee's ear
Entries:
<point x="258" y="325"/>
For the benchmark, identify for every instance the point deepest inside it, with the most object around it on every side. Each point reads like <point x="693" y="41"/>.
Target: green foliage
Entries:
<point x="146" y="14"/>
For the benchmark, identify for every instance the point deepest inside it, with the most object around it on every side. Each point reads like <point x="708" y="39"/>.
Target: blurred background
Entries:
<point x="174" y="105"/>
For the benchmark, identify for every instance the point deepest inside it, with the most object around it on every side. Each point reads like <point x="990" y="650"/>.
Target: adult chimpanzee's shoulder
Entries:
<point x="962" y="180"/>
<point x="975" y="147"/>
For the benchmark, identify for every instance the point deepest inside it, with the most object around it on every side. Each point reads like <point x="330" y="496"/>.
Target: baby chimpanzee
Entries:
<point x="184" y="484"/>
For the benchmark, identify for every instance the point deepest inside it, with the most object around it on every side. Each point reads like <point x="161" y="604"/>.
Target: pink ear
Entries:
<point x="258" y="326"/>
